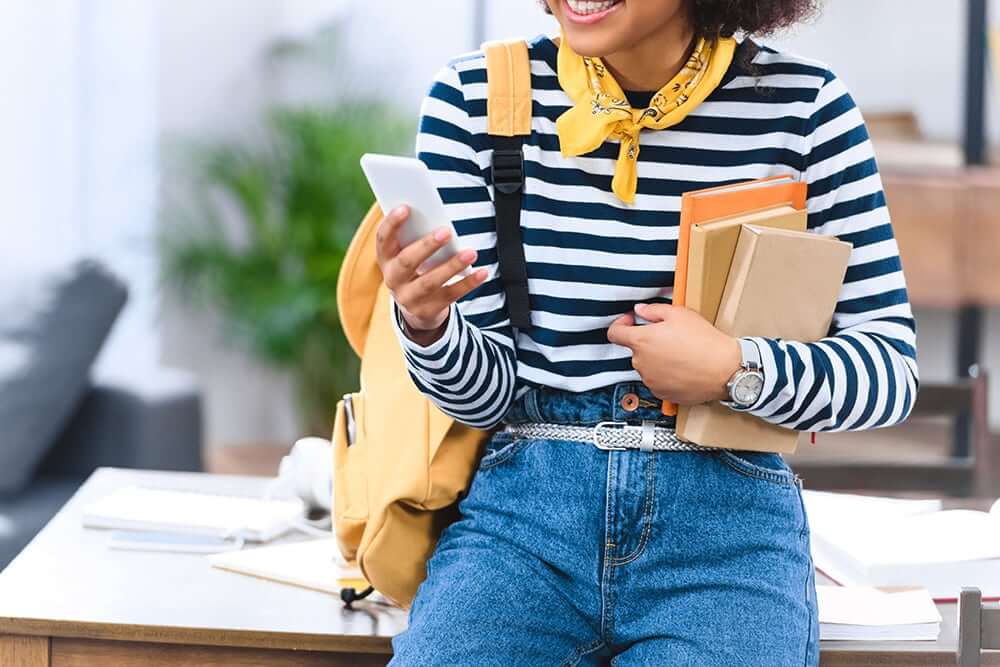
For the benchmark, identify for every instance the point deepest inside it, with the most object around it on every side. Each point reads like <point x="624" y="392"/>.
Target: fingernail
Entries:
<point x="467" y="255"/>
<point x="398" y="211"/>
<point x="481" y="274"/>
<point x="640" y="306"/>
<point x="441" y="233"/>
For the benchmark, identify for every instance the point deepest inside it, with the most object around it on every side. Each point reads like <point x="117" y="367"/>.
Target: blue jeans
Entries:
<point x="566" y="554"/>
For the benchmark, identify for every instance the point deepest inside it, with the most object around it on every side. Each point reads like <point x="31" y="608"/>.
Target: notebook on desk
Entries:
<point x="862" y="541"/>
<point x="139" y="508"/>
<point x="313" y="564"/>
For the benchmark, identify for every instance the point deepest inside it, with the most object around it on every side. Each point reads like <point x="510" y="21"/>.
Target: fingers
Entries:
<point x="401" y="268"/>
<point x="626" y="319"/>
<point x="405" y="264"/>
<point x="653" y="312"/>
<point x="429" y="290"/>
<point x="387" y="235"/>
<point x="441" y="273"/>
<point x="623" y="331"/>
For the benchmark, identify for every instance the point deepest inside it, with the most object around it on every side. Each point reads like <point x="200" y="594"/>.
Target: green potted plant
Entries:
<point x="260" y="232"/>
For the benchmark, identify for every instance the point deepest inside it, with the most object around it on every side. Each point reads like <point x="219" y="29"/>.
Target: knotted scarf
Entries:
<point x="600" y="109"/>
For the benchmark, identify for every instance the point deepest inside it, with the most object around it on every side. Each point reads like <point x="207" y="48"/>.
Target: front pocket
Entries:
<point x="501" y="446"/>
<point x="765" y="466"/>
<point x="350" y="463"/>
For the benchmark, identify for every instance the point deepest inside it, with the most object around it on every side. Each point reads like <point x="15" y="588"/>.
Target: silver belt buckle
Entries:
<point x="597" y="437"/>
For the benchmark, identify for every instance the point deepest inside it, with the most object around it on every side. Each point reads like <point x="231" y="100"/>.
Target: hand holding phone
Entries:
<point x="417" y="249"/>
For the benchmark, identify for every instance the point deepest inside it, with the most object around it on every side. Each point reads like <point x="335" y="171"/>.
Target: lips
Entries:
<point x="589" y="11"/>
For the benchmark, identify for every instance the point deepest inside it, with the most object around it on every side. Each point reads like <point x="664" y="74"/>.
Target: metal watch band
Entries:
<point x="750" y="362"/>
<point x="750" y="353"/>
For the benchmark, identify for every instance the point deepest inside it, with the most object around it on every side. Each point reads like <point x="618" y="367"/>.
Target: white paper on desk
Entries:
<point x="861" y="605"/>
<point x="868" y="541"/>
<point x="314" y="564"/>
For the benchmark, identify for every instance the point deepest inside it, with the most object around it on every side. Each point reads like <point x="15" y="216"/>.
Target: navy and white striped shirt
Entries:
<point x="591" y="257"/>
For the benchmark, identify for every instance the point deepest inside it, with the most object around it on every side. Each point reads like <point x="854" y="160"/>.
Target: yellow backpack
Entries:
<point x="400" y="463"/>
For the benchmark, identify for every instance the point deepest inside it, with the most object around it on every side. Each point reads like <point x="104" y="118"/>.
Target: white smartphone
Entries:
<point x="405" y="180"/>
<point x="134" y="540"/>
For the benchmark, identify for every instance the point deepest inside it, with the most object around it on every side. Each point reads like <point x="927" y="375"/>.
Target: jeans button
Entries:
<point x="630" y="401"/>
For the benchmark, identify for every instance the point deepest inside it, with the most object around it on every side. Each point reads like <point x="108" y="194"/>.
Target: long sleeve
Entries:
<point x="470" y="372"/>
<point x="863" y="374"/>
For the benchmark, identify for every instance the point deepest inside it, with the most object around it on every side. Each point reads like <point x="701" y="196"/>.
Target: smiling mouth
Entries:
<point x="589" y="10"/>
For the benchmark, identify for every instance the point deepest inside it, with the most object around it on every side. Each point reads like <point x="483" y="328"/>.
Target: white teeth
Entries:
<point x="590" y="6"/>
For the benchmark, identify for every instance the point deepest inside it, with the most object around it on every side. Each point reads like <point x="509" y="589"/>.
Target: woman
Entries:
<point x="568" y="553"/>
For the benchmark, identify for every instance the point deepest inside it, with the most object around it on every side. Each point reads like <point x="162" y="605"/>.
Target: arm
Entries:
<point x="864" y="373"/>
<point x="469" y="372"/>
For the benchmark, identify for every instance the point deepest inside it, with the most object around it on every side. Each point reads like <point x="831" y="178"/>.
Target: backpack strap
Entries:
<point x="508" y="121"/>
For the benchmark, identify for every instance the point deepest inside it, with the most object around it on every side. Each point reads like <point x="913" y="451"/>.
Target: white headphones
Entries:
<point x="306" y="472"/>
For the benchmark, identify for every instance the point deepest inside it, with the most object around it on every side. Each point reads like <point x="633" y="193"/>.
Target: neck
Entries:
<point x="655" y="59"/>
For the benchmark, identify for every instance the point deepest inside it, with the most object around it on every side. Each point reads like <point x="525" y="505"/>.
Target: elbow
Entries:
<point x="912" y="388"/>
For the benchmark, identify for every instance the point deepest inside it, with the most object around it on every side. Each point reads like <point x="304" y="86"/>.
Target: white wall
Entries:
<point x="78" y="164"/>
<point x="39" y="133"/>
<point x="893" y="54"/>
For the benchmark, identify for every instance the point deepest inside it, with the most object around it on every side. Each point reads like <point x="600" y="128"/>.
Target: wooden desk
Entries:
<point x="69" y="601"/>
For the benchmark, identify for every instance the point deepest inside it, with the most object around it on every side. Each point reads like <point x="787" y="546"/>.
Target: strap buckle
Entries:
<point x="508" y="169"/>
<point x="617" y="426"/>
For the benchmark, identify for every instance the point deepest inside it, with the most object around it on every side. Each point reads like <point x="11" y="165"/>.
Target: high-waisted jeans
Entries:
<point x="566" y="554"/>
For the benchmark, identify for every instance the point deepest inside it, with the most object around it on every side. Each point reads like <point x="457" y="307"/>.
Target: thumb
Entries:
<point x="620" y="331"/>
<point x="653" y="312"/>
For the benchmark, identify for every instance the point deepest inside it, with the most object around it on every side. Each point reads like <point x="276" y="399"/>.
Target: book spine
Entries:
<point x="729" y="306"/>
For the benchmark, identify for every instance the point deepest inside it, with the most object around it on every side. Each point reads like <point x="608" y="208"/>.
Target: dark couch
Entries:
<point x="57" y="423"/>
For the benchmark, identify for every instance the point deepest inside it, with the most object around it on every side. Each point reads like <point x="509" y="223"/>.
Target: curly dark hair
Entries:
<point x="753" y="17"/>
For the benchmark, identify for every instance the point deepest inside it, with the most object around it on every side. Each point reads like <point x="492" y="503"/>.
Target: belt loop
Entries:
<point x="646" y="444"/>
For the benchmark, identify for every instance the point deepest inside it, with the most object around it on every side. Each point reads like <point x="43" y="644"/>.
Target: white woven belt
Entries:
<point x="647" y="437"/>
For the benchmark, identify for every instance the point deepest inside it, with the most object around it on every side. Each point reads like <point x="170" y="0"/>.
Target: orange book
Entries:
<point x="700" y="206"/>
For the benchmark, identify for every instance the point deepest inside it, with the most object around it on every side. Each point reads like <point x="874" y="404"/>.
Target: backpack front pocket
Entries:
<point x="350" y="472"/>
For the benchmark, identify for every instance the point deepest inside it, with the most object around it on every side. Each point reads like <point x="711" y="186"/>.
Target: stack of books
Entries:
<point x="746" y="263"/>
<point x="872" y="541"/>
<point x="859" y="613"/>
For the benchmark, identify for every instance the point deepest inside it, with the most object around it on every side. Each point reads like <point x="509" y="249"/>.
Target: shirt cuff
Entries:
<point x="425" y="350"/>
<point x="768" y="368"/>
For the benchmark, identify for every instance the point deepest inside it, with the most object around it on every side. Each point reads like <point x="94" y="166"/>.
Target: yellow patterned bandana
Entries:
<point x="600" y="109"/>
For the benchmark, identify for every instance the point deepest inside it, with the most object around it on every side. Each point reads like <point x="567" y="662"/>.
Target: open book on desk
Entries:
<point x="316" y="564"/>
<point x="862" y="541"/>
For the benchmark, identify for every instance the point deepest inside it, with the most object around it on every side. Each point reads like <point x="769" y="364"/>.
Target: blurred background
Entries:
<point x="205" y="153"/>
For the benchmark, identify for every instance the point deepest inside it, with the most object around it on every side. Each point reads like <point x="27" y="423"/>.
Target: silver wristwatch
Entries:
<point x="747" y="383"/>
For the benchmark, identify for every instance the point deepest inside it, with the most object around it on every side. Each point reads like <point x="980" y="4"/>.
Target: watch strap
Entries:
<point x="750" y="354"/>
<point x="750" y="360"/>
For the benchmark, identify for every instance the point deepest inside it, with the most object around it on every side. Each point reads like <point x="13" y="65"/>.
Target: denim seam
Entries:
<point x="531" y="406"/>
<point x="809" y="615"/>
<point x="646" y="516"/>
<point x="804" y="530"/>
<point x="754" y="471"/>
<point x="607" y="572"/>
<point x="513" y="447"/>
<point x="580" y="651"/>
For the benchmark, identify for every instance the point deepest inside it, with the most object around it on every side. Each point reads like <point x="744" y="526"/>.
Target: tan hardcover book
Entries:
<point x="713" y="245"/>
<point x="782" y="284"/>
<point x="711" y="250"/>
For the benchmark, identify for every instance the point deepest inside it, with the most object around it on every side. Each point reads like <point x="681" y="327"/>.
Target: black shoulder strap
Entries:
<point x="508" y="187"/>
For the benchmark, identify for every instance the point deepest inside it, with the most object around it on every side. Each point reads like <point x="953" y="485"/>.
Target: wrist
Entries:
<point x="731" y="362"/>
<point x="747" y="383"/>
<point x="423" y="337"/>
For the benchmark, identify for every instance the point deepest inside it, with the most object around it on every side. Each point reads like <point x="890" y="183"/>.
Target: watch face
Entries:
<point x="747" y="388"/>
